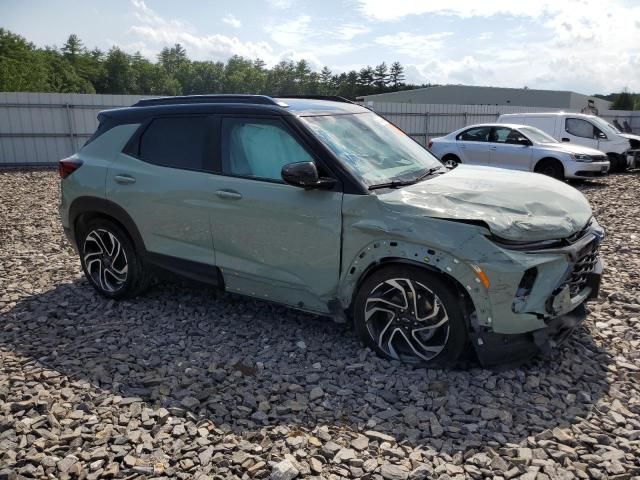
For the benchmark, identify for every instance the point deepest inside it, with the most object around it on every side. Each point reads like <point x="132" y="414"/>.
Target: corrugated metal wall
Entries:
<point x="42" y="128"/>
<point x="425" y="121"/>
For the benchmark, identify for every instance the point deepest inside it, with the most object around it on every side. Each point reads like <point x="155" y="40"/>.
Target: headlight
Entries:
<point x="580" y="157"/>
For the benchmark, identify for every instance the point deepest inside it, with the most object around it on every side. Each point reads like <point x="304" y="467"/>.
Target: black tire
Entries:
<point x="451" y="161"/>
<point x="550" y="167"/>
<point x="617" y="162"/>
<point x="405" y="334"/>
<point x="115" y="272"/>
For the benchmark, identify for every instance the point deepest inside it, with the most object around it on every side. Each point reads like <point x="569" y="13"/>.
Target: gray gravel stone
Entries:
<point x="183" y="383"/>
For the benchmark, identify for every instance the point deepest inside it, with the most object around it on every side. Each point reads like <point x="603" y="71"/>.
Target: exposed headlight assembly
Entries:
<point x="581" y="157"/>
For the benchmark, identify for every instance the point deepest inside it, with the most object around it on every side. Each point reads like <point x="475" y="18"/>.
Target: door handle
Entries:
<point x="463" y="146"/>
<point x="565" y="139"/>
<point x="124" y="179"/>
<point x="493" y="148"/>
<point x="229" y="194"/>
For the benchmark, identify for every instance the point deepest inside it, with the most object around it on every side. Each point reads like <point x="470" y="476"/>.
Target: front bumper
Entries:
<point x="512" y="350"/>
<point x="587" y="169"/>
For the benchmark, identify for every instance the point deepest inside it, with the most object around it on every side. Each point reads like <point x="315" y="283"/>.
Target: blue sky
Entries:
<point x="589" y="46"/>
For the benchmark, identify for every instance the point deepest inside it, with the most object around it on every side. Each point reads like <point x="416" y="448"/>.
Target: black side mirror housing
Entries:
<point x="305" y="175"/>
<point x="524" y="141"/>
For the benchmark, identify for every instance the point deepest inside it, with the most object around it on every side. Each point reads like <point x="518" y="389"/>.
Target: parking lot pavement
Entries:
<point x="181" y="384"/>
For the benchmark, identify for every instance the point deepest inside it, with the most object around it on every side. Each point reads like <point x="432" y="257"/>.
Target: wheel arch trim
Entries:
<point x="101" y="206"/>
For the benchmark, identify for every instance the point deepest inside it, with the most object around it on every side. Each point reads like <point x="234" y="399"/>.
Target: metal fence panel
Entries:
<point x="41" y="128"/>
<point x="425" y="121"/>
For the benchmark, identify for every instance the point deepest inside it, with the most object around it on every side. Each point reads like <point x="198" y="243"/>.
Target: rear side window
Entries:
<point x="579" y="127"/>
<point x="178" y="142"/>
<point x="476" y="134"/>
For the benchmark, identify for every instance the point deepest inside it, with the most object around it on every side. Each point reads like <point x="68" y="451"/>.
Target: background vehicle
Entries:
<point x="622" y="149"/>
<point x="518" y="147"/>
<point x="327" y="207"/>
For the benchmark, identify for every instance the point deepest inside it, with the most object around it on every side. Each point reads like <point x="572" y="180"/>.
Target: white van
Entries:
<point x="623" y="149"/>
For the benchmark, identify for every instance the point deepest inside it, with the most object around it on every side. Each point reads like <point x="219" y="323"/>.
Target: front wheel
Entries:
<point x="412" y="315"/>
<point x="551" y="168"/>
<point x="110" y="261"/>
<point x="450" y="161"/>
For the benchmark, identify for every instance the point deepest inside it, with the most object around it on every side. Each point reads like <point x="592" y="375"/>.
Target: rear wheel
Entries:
<point x="550" y="167"/>
<point x="451" y="161"/>
<point x="412" y="315"/>
<point x="110" y="261"/>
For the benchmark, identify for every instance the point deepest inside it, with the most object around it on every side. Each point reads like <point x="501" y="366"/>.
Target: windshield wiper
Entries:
<point x="404" y="183"/>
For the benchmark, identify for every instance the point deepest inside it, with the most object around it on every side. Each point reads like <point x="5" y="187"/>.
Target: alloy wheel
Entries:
<point x="407" y="320"/>
<point x="105" y="260"/>
<point x="450" y="163"/>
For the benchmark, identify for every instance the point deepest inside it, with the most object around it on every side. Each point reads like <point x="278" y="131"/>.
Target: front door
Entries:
<point x="273" y="240"/>
<point x="580" y="132"/>
<point x="506" y="152"/>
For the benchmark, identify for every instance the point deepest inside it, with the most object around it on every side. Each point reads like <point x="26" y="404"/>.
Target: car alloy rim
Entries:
<point x="105" y="260"/>
<point x="449" y="163"/>
<point x="407" y="320"/>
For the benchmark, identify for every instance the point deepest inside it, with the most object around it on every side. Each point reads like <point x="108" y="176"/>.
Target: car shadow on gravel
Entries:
<point x="246" y="364"/>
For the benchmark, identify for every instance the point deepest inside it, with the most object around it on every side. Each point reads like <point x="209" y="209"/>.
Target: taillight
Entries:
<point x="430" y="144"/>
<point x="67" y="166"/>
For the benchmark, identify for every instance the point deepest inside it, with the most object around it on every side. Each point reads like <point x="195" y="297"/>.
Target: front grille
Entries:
<point x="599" y="158"/>
<point x="586" y="263"/>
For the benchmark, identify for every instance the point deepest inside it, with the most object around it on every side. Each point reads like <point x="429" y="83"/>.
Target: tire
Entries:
<point x="451" y="161"/>
<point x="110" y="261"/>
<point x="618" y="162"/>
<point x="550" y="167"/>
<point x="385" y="320"/>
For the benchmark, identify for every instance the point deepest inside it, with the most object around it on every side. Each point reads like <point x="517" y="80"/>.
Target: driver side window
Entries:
<point x="579" y="128"/>
<point x="259" y="148"/>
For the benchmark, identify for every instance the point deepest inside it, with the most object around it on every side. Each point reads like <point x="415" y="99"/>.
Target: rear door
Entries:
<point x="273" y="240"/>
<point x="161" y="182"/>
<point x="473" y="145"/>
<point x="506" y="152"/>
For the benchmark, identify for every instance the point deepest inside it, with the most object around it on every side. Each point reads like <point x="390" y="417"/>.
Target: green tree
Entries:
<point x="381" y="76"/>
<point x="396" y="74"/>
<point x="624" y="101"/>
<point x="119" y="73"/>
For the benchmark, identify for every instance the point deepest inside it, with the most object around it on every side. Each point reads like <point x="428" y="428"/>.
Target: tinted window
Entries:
<point x="179" y="142"/>
<point x="504" y="135"/>
<point x="579" y="127"/>
<point x="259" y="148"/>
<point x="476" y="134"/>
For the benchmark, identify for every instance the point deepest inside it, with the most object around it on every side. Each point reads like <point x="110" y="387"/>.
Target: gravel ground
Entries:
<point x="183" y="384"/>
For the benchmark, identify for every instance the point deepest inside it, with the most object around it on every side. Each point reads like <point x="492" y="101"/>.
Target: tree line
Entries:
<point x="73" y="68"/>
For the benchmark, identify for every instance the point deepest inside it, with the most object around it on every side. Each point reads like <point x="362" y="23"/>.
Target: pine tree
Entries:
<point x="396" y="74"/>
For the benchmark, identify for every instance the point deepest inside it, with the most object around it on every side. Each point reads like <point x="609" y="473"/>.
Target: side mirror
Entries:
<point x="523" y="141"/>
<point x="305" y="175"/>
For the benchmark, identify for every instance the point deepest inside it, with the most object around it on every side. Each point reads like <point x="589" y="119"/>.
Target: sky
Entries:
<point x="587" y="46"/>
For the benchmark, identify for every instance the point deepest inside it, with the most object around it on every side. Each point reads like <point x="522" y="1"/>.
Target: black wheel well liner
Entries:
<point x="451" y="155"/>
<point x="388" y="261"/>
<point x="548" y="159"/>
<point x="82" y="209"/>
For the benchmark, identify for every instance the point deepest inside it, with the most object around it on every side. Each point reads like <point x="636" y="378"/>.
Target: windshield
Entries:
<point x="536" y="135"/>
<point x="372" y="148"/>
<point x="605" y="126"/>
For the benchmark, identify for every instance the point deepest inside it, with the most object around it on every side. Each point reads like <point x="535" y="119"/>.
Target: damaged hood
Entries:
<point x="518" y="206"/>
<point x="630" y="136"/>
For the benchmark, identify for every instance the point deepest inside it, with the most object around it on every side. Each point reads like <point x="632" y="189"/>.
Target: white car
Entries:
<point x="622" y="149"/>
<point x="518" y="147"/>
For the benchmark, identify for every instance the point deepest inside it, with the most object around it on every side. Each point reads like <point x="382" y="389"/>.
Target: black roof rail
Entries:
<point x="333" y="98"/>
<point x="222" y="98"/>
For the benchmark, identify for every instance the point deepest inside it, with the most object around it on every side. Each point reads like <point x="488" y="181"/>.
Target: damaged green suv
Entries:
<point x="322" y="205"/>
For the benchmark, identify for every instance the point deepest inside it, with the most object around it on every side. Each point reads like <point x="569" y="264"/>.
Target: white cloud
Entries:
<point x="585" y="45"/>
<point x="155" y="32"/>
<point x="230" y="19"/>
<point x="350" y="30"/>
<point x="414" y="45"/>
<point x="281" y="4"/>
<point x="292" y="32"/>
